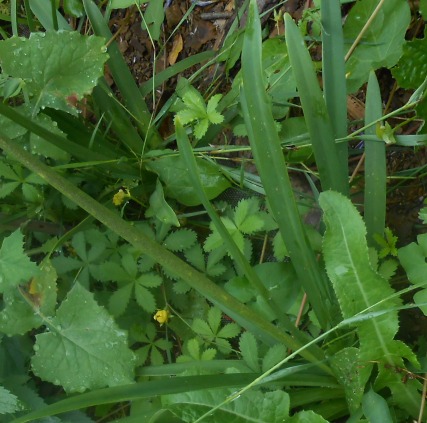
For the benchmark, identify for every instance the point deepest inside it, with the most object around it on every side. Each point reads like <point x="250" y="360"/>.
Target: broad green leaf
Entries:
<point x="413" y="259"/>
<point x="160" y="208"/>
<point x="249" y="350"/>
<point x="375" y="408"/>
<point x="411" y="70"/>
<point x="381" y="45"/>
<point x="307" y="417"/>
<point x="174" y="174"/>
<point x="15" y="266"/>
<point x="74" y="8"/>
<point x="9" y="403"/>
<point x="83" y="336"/>
<point x="252" y="406"/>
<point x="153" y="19"/>
<point x="358" y="287"/>
<point x="56" y="66"/>
<point x="17" y="317"/>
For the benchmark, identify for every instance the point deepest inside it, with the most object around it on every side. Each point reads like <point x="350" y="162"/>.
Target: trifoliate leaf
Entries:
<point x="15" y="266"/>
<point x="55" y="66"/>
<point x="83" y="336"/>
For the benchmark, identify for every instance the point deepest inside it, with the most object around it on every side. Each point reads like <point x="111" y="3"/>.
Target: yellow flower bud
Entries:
<point x="120" y="196"/>
<point x="162" y="316"/>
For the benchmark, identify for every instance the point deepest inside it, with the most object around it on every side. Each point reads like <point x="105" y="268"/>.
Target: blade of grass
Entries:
<point x="231" y="306"/>
<point x="333" y="72"/>
<point x="137" y="391"/>
<point x="332" y="172"/>
<point x="375" y="166"/>
<point x="123" y="78"/>
<point x="14" y="17"/>
<point x="273" y="171"/>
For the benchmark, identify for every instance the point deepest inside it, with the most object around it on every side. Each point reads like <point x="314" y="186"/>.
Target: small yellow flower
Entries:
<point x="120" y="196"/>
<point x="162" y="316"/>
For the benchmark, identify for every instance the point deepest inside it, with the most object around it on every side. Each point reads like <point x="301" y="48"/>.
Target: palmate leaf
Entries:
<point x="15" y="266"/>
<point x="56" y="66"/>
<point x="84" y="348"/>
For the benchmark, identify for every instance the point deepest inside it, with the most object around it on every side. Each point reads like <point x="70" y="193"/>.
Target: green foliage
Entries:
<point x="82" y="332"/>
<point x="382" y="43"/>
<point x="158" y="311"/>
<point x="15" y="266"/>
<point x="191" y="107"/>
<point x="55" y="66"/>
<point x="212" y="332"/>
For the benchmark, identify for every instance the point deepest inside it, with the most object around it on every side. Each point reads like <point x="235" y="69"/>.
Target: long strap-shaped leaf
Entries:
<point x="331" y="170"/>
<point x="273" y="171"/>
<point x="375" y="166"/>
<point x="333" y="73"/>
<point x="123" y="78"/>
<point x="198" y="281"/>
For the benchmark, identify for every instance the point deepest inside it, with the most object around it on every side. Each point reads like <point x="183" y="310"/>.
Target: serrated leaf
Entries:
<point x="55" y="65"/>
<point x="181" y="287"/>
<point x="230" y="330"/>
<point x="201" y="328"/>
<point x="214" y="318"/>
<point x="208" y="354"/>
<point x="358" y="287"/>
<point x="17" y="317"/>
<point x="200" y="128"/>
<point x="274" y="355"/>
<point x="251" y="224"/>
<point x="8" y="402"/>
<point x="381" y="45"/>
<point x="195" y="257"/>
<point x="193" y="348"/>
<point x="249" y="350"/>
<point x="119" y="299"/>
<point x="252" y="406"/>
<point x="145" y="298"/>
<point x="15" y="266"/>
<point x="180" y="240"/>
<point x="194" y="101"/>
<point x="83" y="336"/>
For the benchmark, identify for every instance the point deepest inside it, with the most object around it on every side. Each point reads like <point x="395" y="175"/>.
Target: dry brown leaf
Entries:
<point x="177" y="47"/>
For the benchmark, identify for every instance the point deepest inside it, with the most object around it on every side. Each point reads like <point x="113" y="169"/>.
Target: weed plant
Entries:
<point x="133" y="289"/>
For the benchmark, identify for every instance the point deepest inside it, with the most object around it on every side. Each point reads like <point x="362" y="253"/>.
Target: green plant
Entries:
<point x="149" y="291"/>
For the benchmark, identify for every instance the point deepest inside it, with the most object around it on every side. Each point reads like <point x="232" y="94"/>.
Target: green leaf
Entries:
<point x="410" y="71"/>
<point x="153" y="17"/>
<point x="180" y="240"/>
<point x="119" y="299"/>
<point x="252" y="406"/>
<point x="174" y="174"/>
<point x="230" y="330"/>
<point x="83" y="336"/>
<point x="160" y="208"/>
<point x="202" y="328"/>
<point x="381" y="45"/>
<point x="214" y="116"/>
<point x="274" y="355"/>
<point x="145" y="298"/>
<point x="307" y="417"/>
<point x="55" y="65"/>
<point x="8" y="402"/>
<point x="249" y="350"/>
<point x="375" y="408"/>
<point x="74" y="8"/>
<point x="358" y="287"/>
<point x="15" y="266"/>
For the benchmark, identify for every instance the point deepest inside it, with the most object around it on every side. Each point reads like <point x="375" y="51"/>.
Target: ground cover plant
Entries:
<point x="159" y="259"/>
